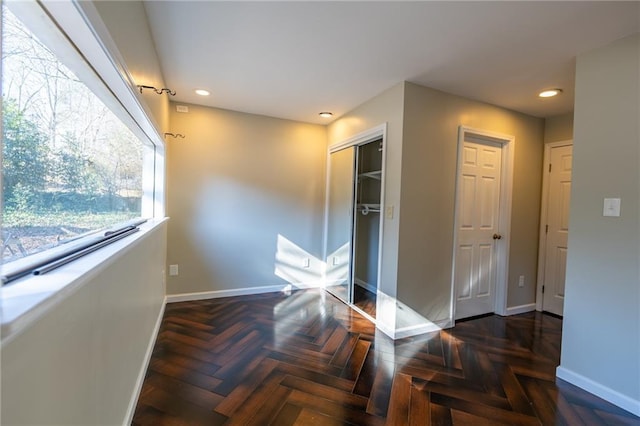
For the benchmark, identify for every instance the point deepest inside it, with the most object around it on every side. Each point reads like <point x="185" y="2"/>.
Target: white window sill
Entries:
<point x="27" y="299"/>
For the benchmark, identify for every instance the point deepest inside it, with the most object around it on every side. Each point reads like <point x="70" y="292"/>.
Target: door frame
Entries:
<point x="504" y="223"/>
<point x="544" y="210"/>
<point x="362" y="138"/>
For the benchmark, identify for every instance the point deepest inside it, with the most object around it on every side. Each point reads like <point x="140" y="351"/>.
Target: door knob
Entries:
<point x="497" y="236"/>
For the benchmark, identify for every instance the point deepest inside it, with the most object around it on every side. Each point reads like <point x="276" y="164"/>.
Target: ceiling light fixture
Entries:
<point x="326" y="114"/>
<point x="202" y="92"/>
<point x="549" y="93"/>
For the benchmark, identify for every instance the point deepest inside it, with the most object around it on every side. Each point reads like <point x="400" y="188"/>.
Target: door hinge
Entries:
<point x="542" y="289"/>
<point x="546" y="229"/>
<point x="549" y="167"/>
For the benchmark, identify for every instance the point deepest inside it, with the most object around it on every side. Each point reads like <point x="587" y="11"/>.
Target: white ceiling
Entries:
<point x="294" y="59"/>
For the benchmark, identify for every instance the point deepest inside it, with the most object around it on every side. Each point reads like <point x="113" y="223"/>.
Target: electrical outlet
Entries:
<point x="521" y="281"/>
<point x="173" y="270"/>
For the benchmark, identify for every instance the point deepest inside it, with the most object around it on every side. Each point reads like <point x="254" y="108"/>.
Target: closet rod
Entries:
<point x="365" y="209"/>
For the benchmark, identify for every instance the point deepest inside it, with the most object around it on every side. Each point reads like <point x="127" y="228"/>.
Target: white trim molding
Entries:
<point x="246" y="291"/>
<point x="604" y="392"/>
<point x="429" y="327"/>
<point x="361" y="283"/>
<point x="415" y="330"/>
<point x="362" y="138"/>
<point x="521" y="309"/>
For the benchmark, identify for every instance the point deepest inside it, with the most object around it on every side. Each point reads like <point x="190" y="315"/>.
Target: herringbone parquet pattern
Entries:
<point x="307" y="359"/>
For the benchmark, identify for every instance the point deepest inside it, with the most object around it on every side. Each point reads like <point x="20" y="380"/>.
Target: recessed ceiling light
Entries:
<point x="326" y="114"/>
<point x="202" y="92"/>
<point x="549" y="93"/>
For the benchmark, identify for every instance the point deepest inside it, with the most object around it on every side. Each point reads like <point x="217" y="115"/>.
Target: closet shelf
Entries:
<point x="365" y="209"/>
<point x="376" y="174"/>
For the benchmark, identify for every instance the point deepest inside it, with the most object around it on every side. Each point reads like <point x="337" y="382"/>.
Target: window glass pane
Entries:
<point x="69" y="165"/>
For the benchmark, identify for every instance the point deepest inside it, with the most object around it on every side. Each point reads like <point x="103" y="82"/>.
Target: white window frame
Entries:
<point x="76" y="34"/>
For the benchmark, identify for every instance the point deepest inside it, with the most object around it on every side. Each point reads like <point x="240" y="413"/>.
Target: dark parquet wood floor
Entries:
<point x="307" y="359"/>
<point x="365" y="300"/>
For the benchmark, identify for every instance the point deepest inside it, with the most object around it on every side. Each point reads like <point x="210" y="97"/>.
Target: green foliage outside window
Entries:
<point x="69" y="165"/>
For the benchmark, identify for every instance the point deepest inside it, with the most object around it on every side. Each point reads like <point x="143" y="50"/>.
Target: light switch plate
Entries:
<point x="389" y="212"/>
<point x="173" y="270"/>
<point x="611" y="207"/>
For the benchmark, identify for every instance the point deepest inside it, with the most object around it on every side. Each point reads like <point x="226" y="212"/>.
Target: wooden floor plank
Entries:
<point x="194" y="394"/>
<point x="288" y="415"/>
<point x="313" y="418"/>
<point x="263" y="393"/>
<point x="419" y="406"/>
<point x="381" y="389"/>
<point x="398" y="412"/>
<point x="243" y="390"/>
<point x="347" y="399"/>
<point x="315" y="376"/>
<point x="306" y="359"/>
<point x="176" y="371"/>
<point x="333" y="409"/>
<point x="514" y="392"/>
<point x="440" y="415"/>
<point x="343" y="353"/>
<point x="355" y="362"/>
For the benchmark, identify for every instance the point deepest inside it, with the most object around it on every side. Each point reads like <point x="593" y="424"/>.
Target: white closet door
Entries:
<point x="478" y="208"/>
<point x="340" y="222"/>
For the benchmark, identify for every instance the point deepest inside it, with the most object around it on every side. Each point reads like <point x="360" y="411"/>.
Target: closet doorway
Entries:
<point x="354" y="222"/>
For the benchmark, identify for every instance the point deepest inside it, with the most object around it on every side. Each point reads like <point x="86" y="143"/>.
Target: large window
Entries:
<point x="70" y="167"/>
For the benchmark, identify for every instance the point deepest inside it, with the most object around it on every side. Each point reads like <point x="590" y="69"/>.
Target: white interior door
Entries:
<point x="478" y="234"/>
<point x="557" y="228"/>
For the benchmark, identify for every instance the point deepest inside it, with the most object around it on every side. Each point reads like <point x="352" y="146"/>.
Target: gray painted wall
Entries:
<point x="429" y="166"/>
<point x="246" y="200"/>
<point x="79" y="363"/>
<point x="127" y="24"/>
<point x="558" y="128"/>
<point x="601" y="331"/>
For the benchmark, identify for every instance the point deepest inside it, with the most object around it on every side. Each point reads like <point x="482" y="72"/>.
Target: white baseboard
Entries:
<point x="414" y="330"/>
<point x="143" y="370"/>
<point x="373" y="289"/>
<point x="215" y="294"/>
<point x="515" y="310"/>
<point x="604" y="392"/>
<point x="386" y="330"/>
